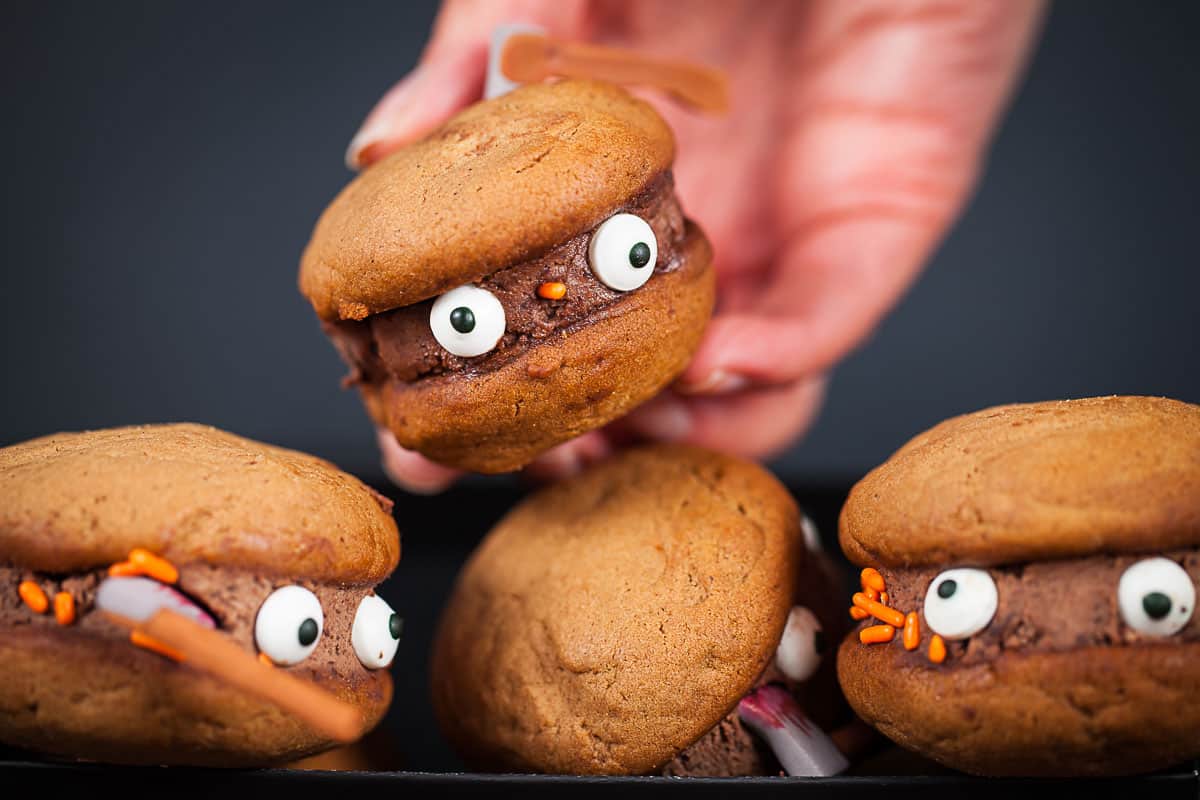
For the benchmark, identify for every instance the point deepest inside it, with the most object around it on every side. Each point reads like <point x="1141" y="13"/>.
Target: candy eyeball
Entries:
<point x="467" y="321"/>
<point x="289" y="625"/>
<point x="376" y="632"/>
<point x="799" y="653"/>
<point x="1156" y="597"/>
<point x="960" y="602"/>
<point x="623" y="252"/>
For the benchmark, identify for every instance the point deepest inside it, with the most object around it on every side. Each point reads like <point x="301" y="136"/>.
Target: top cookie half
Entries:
<point x="501" y="183"/>
<point x="1031" y="482"/>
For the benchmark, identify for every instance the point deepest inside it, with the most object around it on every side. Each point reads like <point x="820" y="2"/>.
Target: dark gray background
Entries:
<point x="165" y="162"/>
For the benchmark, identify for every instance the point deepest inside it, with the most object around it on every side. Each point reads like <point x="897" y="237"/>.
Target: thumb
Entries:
<point x="451" y="71"/>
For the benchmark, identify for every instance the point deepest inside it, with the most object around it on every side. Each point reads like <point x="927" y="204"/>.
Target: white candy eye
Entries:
<point x="467" y="321"/>
<point x="623" y="252"/>
<point x="803" y="642"/>
<point x="960" y="602"/>
<point x="1156" y="597"/>
<point x="289" y="624"/>
<point x="376" y="632"/>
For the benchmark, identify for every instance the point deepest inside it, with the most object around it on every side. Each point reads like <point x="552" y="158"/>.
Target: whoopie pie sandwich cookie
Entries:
<point x="658" y="613"/>
<point x="1029" y="589"/>
<point x="520" y="276"/>
<point x="268" y="553"/>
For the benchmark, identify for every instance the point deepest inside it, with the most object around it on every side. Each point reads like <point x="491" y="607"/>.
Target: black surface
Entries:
<point x="165" y="162"/>
<point x="174" y="783"/>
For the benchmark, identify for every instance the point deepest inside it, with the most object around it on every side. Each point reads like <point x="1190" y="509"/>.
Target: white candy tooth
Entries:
<point x="138" y="598"/>
<point x="801" y="747"/>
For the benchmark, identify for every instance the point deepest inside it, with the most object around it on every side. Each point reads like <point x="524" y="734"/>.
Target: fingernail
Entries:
<point x="412" y="471"/>
<point x="387" y="116"/>
<point x="716" y="382"/>
<point x="663" y="418"/>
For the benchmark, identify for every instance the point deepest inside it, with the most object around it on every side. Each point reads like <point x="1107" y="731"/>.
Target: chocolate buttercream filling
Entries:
<point x="232" y="597"/>
<point x="399" y="344"/>
<point x="1043" y="607"/>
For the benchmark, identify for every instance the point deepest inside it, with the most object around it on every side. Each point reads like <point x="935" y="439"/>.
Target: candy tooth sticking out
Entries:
<point x="801" y="747"/>
<point x="138" y="598"/>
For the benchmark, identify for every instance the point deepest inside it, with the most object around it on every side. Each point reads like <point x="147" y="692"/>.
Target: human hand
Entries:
<point x="856" y="133"/>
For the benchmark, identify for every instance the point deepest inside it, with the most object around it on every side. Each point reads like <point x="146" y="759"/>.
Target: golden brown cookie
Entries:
<point x="502" y="181"/>
<point x="70" y="501"/>
<point x="1032" y="481"/>
<point x="522" y="275"/>
<point x="610" y="622"/>
<point x="278" y="550"/>
<point x="1028" y="602"/>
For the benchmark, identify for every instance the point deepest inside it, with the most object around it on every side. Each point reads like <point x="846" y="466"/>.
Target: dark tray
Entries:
<point x="407" y="752"/>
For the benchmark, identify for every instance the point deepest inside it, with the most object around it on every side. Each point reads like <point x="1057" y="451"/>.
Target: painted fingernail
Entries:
<point x="716" y="382"/>
<point x="386" y="118"/>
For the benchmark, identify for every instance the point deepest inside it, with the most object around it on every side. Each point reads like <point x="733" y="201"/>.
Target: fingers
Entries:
<point x="412" y="471"/>
<point x="451" y="71"/>
<point x="754" y="423"/>
<point x="832" y="285"/>
<point x="569" y="458"/>
<point x="894" y="105"/>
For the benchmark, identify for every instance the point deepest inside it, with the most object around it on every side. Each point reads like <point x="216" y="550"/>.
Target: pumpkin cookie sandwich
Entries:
<point x="174" y="594"/>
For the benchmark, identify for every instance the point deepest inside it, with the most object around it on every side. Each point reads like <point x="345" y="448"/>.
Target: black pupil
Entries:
<point x="639" y="255"/>
<point x="947" y="588"/>
<point x="308" y="632"/>
<point x="819" y="642"/>
<point x="395" y="626"/>
<point x="1157" y="605"/>
<point x="462" y="319"/>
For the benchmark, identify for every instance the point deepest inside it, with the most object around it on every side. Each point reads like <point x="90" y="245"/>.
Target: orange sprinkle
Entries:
<point x="937" y="649"/>
<point x="871" y="594"/>
<point x="145" y="642"/>
<point x="158" y="568"/>
<point x="266" y="659"/>
<point x="124" y="569"/>
<point x="912" y="631"/>
<point x="883" y="598"/>
<point x="33" y="596"/>
<point x="64" y="608"/>
<point x="858" y="613"/>
<point x="552" y="290"/>
<point x="871" y="578"/>
<point x="876" y="634"/>
<point x="878" y="610"/>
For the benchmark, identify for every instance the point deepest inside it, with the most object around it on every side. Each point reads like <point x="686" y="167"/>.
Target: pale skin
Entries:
<point x="857" y="132"/>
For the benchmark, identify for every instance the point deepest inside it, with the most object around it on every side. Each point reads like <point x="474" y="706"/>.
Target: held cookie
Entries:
<point x="656" y="614"/>
<point x="1029" y="589"/>
<point x="522" y="275"/>
<point x="276" y="550"/>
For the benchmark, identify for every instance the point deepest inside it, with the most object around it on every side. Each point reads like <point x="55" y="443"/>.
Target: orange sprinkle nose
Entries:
<point x="912" y="631"/>
<point x="64" y="608"/>
<point x="878" y="610"/>
<point x="33" y="596"/>
<point x="858" y="613"/>
<point x="876" y="634"/>
<point x="158" y="568"/>
<point x="871" y="578"/>
<point x="937" y="649"/>
<point x="552" y="290"/>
